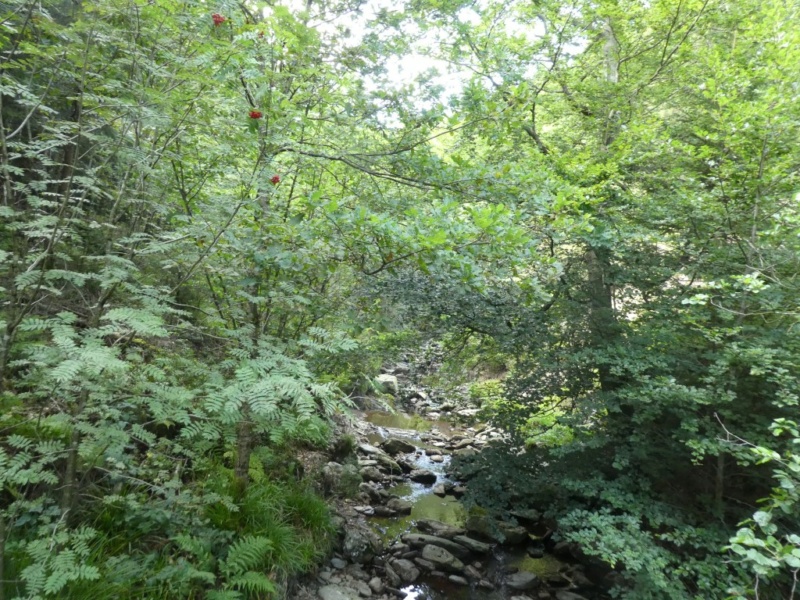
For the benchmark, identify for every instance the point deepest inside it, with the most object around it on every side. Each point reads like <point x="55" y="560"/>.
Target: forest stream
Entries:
<point x="409" y="513"/>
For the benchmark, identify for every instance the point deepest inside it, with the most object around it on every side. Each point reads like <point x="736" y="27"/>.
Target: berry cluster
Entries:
<point x="218" y="19"/>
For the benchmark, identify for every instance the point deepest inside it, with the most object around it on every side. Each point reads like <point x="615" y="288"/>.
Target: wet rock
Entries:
<point x="485" y="584"/>
<point x="369" y="449"/>
<point x="360" y="545"/>
<point x="439" y="529"/>
<point x="383" y="511"/>
<point x="397" y="446"/>
<point x="425" y="564"/>
<point x="458" y="580"/>
<point x="458" y="491"/>
<point x="338" y="563"/>
<point x="356" y="572"/>
<point x="371" y="474"/>
<point x="376" y="585"/>
<point x="372" y="492"/>
<point x="522" y="581"/>
<point x="496" y="531"/>
<point x="433" y="452"/>
<point x="557" y="580"/>
<point x="367" y="463"/>
<point x="405" y="569"/>
<point x="365" y="510"/>
<point x="336" y="592"/>
<point x="399" y="548"/>
<point x="443" y="559"/>
<point x="386" y="463"/>
<point x="419" y="540"/>
<point x="406" y="466"/>
<point x="363" y="589"/>
<point x="402" y="507"/>
<point x="472" y="573"/>
<point x="439" y="490"/>
<point x="473" y="545"/>
<point x="392" y="576"/>
<point x="437" y="458"/>
<point x="535" y="551"/>
<point x="423" y="476"/>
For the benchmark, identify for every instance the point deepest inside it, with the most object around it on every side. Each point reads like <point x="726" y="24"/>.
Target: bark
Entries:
<point x="719" y="486"/>
<point x="70" y="474"/>
<point x="244" y="447"/>
<point x="603" y="326"/>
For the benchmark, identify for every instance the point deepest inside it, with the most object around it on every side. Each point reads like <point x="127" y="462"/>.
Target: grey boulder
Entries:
<point x="442" y="558"/>
<point x="522" y="581"/>
<point x="397" y="446"/>
<point x="335" y="592"/>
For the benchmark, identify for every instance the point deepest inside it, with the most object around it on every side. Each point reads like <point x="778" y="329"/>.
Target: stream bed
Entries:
<point x="448" y="510"/>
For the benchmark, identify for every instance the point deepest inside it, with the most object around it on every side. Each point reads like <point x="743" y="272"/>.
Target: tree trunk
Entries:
<point x="719" y="487"/>
<point x="603" y="326"/>
<point x="70" y="482"/>
<point x="244" y="447"/>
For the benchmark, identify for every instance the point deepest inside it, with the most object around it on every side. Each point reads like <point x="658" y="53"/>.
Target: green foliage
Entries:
<point x="488" y="392"/>
<point x="208" y="230"/>
<point x="49" y="571"/>
<point x="767" y="543"/>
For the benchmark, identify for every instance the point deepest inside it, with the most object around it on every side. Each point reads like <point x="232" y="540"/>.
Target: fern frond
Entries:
<point x="250" y="552"/>
<point x="252" y="582"/>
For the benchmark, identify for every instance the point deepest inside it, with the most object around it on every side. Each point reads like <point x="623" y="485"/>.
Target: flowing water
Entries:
<point x="447" y="510"/>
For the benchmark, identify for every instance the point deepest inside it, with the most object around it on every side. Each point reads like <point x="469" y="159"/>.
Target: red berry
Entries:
<point x="256" y="114"/>
<point x="218" y="19"/>
<point x="275" y="179"/>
